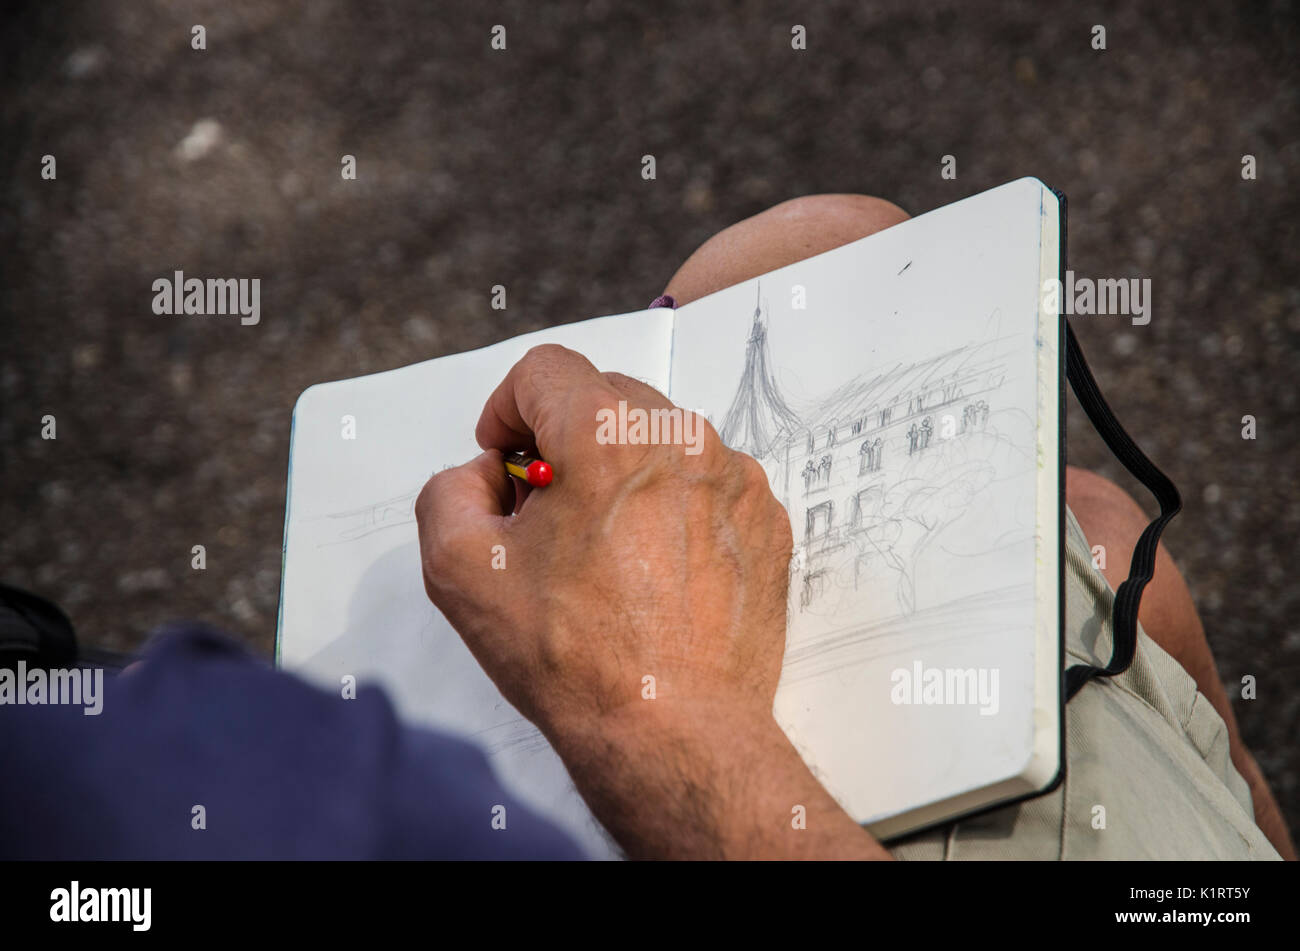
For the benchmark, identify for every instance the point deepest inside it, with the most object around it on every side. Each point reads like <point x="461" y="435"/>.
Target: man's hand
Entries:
<point x="637" y="562"/>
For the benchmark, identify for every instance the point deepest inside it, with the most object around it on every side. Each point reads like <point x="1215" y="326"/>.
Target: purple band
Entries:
<point x="663" y="300"/>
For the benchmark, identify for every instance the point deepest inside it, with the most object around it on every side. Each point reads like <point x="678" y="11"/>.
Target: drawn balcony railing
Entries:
<point x="826" y="542"/>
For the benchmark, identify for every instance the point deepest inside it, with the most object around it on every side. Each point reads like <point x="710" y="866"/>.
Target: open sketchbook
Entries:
<point x="903" y="394"/>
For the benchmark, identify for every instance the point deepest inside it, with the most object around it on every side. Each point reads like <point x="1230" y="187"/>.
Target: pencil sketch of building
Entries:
<point x="875" y="472"/>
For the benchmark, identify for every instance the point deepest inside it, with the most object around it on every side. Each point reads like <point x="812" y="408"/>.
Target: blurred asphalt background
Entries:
<point x="523" y="168"/>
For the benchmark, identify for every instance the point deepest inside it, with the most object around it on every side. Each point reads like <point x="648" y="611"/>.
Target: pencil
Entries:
<point x="529" y="468"/>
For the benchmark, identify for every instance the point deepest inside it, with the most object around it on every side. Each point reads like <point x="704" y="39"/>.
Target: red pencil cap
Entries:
<point x="539" y="474"/>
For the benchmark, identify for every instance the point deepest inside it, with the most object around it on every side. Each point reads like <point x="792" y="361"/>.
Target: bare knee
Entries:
<point x="1112" y="519"/>
<point x="785" y="233"/>
<point x="1109" y="517"/>
<point x="854" y="216"/>
<point x="1088" y="493"/>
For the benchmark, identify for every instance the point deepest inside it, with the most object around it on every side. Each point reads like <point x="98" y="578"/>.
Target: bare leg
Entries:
<point x="800" y="228"/>
<point x="1110" y="517"/>
<point x="785" y="233"/>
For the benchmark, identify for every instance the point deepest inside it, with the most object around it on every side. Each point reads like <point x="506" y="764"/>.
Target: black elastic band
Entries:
<point x="1124" y="612"/>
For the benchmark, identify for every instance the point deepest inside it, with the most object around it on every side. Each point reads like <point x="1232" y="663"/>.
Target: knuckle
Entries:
<point x="424" y="504"/>
<point x="752" y="473"/>
<point x="544" y="353"/>
<point x="590" y="403"/>
<point x="543" y="364"/>
<point x="619" y="380"/>
<point x="712" y="442"/>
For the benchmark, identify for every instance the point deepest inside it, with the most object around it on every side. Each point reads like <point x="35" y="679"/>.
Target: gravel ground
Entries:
<point x="478" y="167"/>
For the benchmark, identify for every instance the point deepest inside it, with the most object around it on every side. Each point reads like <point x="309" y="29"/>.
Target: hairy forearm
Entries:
<point x="707" y="783"/>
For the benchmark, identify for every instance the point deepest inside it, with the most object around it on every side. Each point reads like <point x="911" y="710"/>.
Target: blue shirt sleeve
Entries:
<point x="280" y="768"/>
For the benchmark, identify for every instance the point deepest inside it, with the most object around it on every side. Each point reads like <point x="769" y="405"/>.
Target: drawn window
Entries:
<point x="814" y="585"/>
<point x="865" y="505"/>
<point x="819" y="520"/>
<point x="824" y="470"/>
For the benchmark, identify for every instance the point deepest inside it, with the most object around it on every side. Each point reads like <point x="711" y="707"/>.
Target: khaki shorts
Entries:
<point x="1148" y="774"/>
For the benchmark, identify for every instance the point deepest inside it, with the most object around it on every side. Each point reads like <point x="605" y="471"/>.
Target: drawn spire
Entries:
<point x="758" y="416"/>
